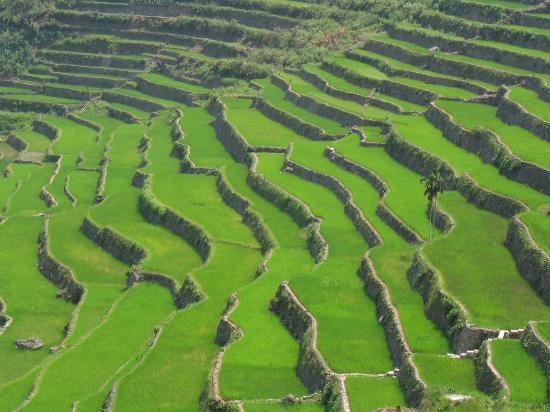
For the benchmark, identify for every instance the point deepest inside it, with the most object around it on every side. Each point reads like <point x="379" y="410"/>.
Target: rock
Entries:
<point x="289" y="400"/>
<point x="31" y="343"/>
<point x="434" y="49"/>
<point x="55" y="349"/>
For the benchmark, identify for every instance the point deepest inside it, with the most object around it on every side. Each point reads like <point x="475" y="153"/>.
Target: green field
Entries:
<point x="247" y="205"/>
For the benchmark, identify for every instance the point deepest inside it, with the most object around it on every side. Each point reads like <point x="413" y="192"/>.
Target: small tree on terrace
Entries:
<point x="434" y="184"/>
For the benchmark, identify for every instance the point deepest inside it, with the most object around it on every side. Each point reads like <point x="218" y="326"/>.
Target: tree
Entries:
<point x="434" y="184"/>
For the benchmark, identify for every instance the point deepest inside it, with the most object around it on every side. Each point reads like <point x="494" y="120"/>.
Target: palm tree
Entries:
<point x="434" y="184"/>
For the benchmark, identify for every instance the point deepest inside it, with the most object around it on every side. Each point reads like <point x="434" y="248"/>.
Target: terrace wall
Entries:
<point x="513" y="113"/>
<point x="487" y="377"/>
<point x="113" y="242"/>
<point x="367" y="231"/>
<point x="409" y="377"/>
<point x="532" y="262"/>
<point x="490" y="149"/>
<point x="444" y="310"/>
<point x="56" y="272"/>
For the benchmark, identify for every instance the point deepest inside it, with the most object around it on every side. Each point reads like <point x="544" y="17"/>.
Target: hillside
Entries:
<point x="268" y="205"/>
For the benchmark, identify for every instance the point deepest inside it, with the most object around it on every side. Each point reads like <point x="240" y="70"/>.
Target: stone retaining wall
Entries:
<point x="322" y="109"/>
<point x="142" y="104"/>
<point x="89" y="81"/>
<point x="385" y="213"/>
<point x="490" y="149"/>
<point x="5" y="319"/>
<point x="416" y="158"/>
<point x="537" y="347"/>
<point x="232" y="140"/>
<point x="56" y="272"/>
<point x="443" y="309"/>
<point x="94" y="60"/>
<point x="441" y="220"/>
<point x="371" y="177"/>
<point x="16" y="142"/>
<point x="102" y="71"/>
<point x="409" y="377"/>
<point x="227" y="332"/>
<point x="312" y="368"/>
<point x="485" y="199"/>
<point x="100" y="190"/>
<point x="467" y="48"/>
<point x="192" y="26"/>
<point x="155" y="212"/>
<point x="85" y="122"/>
<point x="294" y="207"/>
<point x="122" y="115"/>
<point x="67" y="93"/>
<point x="47" y="197"/>
<point x="253" y="18"/>
<point x="392" y="71"/>
<point x="35" y="106"/>
<point x="292" y="122"/>
<point x="51" y="132"/>
<point x="68" y="192"/>
<point x="531" y="261"/>
<point x="250" y="218"/>
<point x="487" y="377"/>
<point x="189" y="293"/>
<point x="400" y="227"/>
<point x="367" y="231"/>
<point x="389" y="87"/>
<point x="121" y="248"/>
<point x="513" y="113"/>
<point x="469" y="29"/>
<point x="169" y="93"/>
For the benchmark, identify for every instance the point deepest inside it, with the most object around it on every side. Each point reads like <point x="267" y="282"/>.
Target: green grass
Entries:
<point x="29" y="296"/>
<point x="100" y="356"/>
<point x="342" y="334"/>
<point x="420" y="132"/>
<point x="524" y="376"/>
<point x="168" y="81"/>
<point x="522" y="143"/>
<point x="467" y="59"/>
<point x="40" y="98"/>
<point x="369" y="394"/>
<point x="143" y="96"/>
<point x="447" y="375"/>
<point x="543" y="328"/>
<point x="531" y="102"/>
<point x="9" y="154"/>
<point x="472" y="257"/>
<point x="341" y="83"/>
<point x="168" y="253"/>
<point x="307" y="89"/>
<point x="269" y="407"/>
<point x="539" y="229"/>
<point x="276" y="96"/>
<point x="394" y="257"/>
<point x="37" y="142"/>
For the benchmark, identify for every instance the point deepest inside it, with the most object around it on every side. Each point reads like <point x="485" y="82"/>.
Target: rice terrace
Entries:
<point x="274" y="205"/>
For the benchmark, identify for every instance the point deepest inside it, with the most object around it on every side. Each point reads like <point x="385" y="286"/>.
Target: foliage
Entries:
<point x="22" y="21"/>
<point x="12" y="121"/>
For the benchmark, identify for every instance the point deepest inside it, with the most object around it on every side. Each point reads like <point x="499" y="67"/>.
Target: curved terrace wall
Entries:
<point x="113" y="242"/>
<point x="490" y="149"/>
<point x="532" y="262"/>
<point x="367" y="231"/>
<point x="409" y="377"/>
<point x="56" y="272"/>
<point x="513" y="113"/>
<point x="443" y="309"/>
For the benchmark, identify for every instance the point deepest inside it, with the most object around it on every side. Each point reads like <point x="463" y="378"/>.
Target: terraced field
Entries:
<point x="259" y="238"/>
